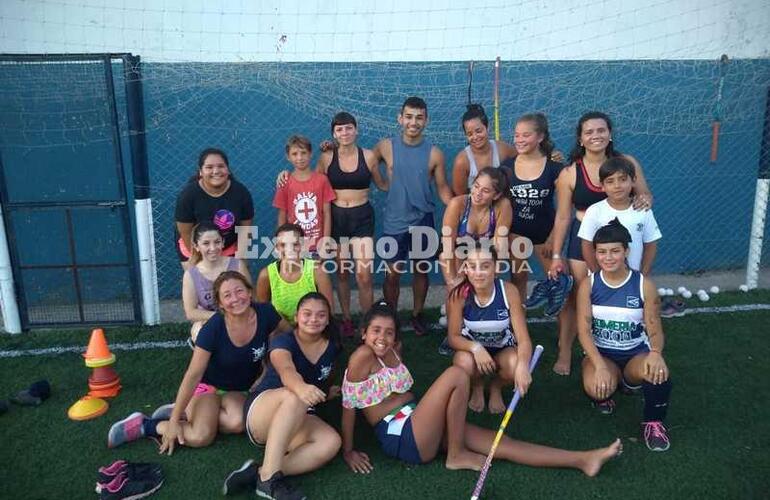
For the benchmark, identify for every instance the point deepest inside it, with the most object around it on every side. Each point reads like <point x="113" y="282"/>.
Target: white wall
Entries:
<point x="389" y="30"/>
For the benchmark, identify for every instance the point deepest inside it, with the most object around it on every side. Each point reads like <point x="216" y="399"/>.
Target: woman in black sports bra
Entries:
<point x="350" y="170"/>
<point x="578" y="187"/>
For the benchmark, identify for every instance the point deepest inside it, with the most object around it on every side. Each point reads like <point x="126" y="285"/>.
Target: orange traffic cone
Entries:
<point x="104" y="382"/>
<point x="98" y="353"/>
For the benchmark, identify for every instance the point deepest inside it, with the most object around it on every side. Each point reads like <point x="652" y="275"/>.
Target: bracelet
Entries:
<point x="555" y="255"/>
<point x="475" y="348"/>
<point x="655" y="350"/>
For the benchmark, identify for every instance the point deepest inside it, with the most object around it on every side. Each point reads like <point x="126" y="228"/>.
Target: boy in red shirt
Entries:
<point x="306" y="197"/>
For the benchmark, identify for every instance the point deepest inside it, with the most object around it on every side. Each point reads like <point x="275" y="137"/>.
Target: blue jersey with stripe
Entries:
<point x="618" y="315"/>
<point x="489" y="324"/>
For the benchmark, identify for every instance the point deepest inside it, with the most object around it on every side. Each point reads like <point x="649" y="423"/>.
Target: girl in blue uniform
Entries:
<point x="488" y="330"/>
<point x="622" y="336"/>
<point x="279" y="414"/>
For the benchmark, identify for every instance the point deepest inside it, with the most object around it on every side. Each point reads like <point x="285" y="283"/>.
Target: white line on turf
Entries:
<point x="173" y="344"/>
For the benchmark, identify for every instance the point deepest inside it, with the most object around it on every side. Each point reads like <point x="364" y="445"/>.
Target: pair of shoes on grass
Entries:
<point x="654" y="433"/>
<point x="552" y="293"/>
<point x="126" y="480"/>
<point x="34" y="395"/>
<point x="246" y="478"/>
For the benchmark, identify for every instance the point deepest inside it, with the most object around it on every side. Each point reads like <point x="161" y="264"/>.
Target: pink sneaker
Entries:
<point x="655" y="436"/>
<point x="127" y="430"/>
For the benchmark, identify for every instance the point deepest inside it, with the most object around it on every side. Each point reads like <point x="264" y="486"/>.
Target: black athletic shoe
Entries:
<point x="445" y="349"/>
<point x="277" y="488"/>
<point x="241" y="479"/>
<point x="124" y="487"/>
<point x="105" y="475"/>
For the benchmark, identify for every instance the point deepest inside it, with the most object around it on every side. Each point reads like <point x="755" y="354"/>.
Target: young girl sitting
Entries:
<point x="378" y="382"/>
<point x="488" y="330"/>
<point x="279" y="413"/>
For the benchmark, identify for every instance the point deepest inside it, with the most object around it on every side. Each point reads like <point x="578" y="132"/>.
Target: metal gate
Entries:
<point x="63" y="147"/>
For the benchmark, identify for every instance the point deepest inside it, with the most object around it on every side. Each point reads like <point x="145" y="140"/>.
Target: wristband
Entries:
<point x="475" y="348"/>
<point x="555" y="255"/>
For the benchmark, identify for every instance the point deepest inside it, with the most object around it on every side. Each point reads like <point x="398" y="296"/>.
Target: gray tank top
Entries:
<point x="474" y="169"/>
<point x="204" y="288"/>
<point x="409" y="197"/>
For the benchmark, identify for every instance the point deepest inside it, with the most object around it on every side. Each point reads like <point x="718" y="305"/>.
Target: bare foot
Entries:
<point x="476" y="401"/>
<point x="496" y="404"/>
<point x="465" y="460"/>
<point x="595" y="459"/>
<point x="563" y="365"/>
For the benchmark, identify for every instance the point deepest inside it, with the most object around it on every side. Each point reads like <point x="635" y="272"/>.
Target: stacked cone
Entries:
<point x="104" y="381"/>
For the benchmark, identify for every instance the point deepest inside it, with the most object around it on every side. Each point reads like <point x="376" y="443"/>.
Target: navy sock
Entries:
<point x="656" y="400"/>
<point x="150" y="427"/>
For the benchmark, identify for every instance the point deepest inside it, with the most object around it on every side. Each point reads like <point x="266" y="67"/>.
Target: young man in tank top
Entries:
<point x="412" y="162"/>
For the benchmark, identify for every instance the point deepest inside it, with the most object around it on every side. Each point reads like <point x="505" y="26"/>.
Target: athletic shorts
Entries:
<point x="536" y="232"/>
<point x="404" y="240"/>
<point x="353" y="222"/>
<point x="252" y="398"/>
<point x="575" y="247"/>
<point x="184" y="253"/>
<point x="394" y="432"/>
<point x="622" y="359"/>
<point x="494" y="350"/>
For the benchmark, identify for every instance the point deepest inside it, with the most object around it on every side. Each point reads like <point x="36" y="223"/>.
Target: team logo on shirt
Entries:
<point x="639" y="227"/>
<point x="257" y="353"/>
<point x="224" y="219"/>
<point x="632" y="301"/>
<point x="325" y="371"/>
<point x="502" y="314"/>
<point x="306" y="210"/>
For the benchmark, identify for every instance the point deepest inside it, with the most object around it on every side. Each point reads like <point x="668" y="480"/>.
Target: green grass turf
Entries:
<point x="718" y="423"/>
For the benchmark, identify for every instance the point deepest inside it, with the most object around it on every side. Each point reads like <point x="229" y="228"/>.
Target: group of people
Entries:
<point x="265" y="355"/>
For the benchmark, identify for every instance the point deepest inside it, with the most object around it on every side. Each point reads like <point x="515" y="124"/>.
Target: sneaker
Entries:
<point x="606" y="407"/>
<point x="655" y="436"/>
<point x="124" y="487"/>
<point x="347" y="328"/>
<point x="276" y="488"/>
<point x="420" y="326"/>
<point x="163" y="412"/>
<point x="444" y="349"/>
<point x="558" y="296"/>
<point x="540" y="294"/>
<point x="244" y="478"/>
<point x="106" y="475"/>
<point x="129" y="429"/>
<point x="672" y="308"/>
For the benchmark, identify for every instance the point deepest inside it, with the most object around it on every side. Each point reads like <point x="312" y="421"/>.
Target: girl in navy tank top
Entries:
<point x="577" y="188"/>
<point x="488" y="330"/>
<point x="623" y="341"/>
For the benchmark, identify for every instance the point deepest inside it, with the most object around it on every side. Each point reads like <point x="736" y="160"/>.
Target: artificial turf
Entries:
<point x="719" y="422"/>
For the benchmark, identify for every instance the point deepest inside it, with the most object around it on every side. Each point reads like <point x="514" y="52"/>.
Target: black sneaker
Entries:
<point x="276" y="488"/>
<point x="124" y="487"/>
<point x="241" y="479"/>
<point x="540" y="294"/>
<point x="606" y="407"/>
<point x="105" y="475"/>
<point x="445" y="349"/>
<point x="655" y="436"/>
<point x="420" y="326"/>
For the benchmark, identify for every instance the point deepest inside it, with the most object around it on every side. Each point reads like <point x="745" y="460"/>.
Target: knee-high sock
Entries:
<point x="656" y="400"/>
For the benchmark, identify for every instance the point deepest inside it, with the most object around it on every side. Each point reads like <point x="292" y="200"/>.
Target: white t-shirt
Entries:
<point x="641" y="224"/>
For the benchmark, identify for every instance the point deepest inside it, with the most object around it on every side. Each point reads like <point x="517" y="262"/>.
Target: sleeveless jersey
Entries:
<point x="490" y="324"/>
<point x="618" y="314"/>
<point x="409" y="197"/>
<point x="462" y="228"/>
<point x="586" y="193"/>
<point x="473" y="169"/>
<point x="204" y="287"/>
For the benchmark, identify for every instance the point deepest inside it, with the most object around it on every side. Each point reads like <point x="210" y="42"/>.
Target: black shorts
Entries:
<point x="354" y="222"/>
<point x="537" y="233"/>
<point x="575" y="247"/>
